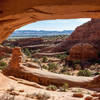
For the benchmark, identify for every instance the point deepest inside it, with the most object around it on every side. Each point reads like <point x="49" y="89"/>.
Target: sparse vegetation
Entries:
<point x="27" y="52"/>
<point x="45" y="59"/>
<point x="86" y="73"/>
<point x="51" y="87"/>
<point x="45" y="67"/>
<point x="61" y="56"/>
<point x="64" y="87"/>
<point x="39" y="96"/>
<point x="52" y="67"/>
<point x="3" y="64"/>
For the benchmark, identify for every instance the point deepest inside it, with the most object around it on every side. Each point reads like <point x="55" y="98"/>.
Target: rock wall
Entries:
<point x="86" y="33"/>
<point x="81" y="52"/>
<point x="14" y="14"/>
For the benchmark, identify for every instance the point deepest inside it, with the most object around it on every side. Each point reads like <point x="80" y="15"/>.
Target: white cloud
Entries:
<point x="83" y="20"/>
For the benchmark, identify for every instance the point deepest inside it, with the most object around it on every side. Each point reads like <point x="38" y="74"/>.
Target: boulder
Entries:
<point x="82" y="51"/>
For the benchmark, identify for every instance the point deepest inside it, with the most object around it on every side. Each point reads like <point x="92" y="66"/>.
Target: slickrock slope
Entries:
<point x="14" y="14"/>
<point x="86" y="33"/>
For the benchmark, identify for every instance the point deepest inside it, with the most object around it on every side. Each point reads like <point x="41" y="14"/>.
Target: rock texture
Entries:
<point x="86" y="33"/>
<point x="83" y="51"/>
<point x="16" y="59"/>
<point x="24" y="42"/>
<point x="13" y="15"/>
<point x="5" y="51"/>
<point x="17" y="69"/>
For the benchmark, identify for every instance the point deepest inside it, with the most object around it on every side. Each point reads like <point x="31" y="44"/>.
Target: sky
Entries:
<point x="58" y="25"/>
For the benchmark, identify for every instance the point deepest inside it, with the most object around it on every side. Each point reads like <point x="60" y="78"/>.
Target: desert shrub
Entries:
<point x="27" y="52"/>
<point x="38" y="96"/>
<point x="45" y="59"/>
<point x="41" y="96"/>
<point x="2" y="57"/>
<point x="64" y="69"/>
<point x="84" y="73"/>
<point x="52" y="66"/>
<point x="45" y="67"/>
<point x="77" y="62"/>
<point x="64" y="87"/>
<point x="96" y="73"/>
<point x="51" y="87"/>
<point x="61" y="56"/>
<point x="3" y="64"/>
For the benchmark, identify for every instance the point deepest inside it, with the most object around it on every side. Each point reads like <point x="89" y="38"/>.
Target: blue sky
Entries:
<point x="59" y="24"/>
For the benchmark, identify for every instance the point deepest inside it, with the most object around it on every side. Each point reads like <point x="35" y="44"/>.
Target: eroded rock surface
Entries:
<point x="5" y="51"/>
<point x="13" y="15"/>
<point x="86" y="33"/>
<point x="16" y="59"/>
<point x="83" y="51"/>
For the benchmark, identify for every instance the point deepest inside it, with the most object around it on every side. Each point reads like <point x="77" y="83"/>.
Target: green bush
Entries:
<point x="61" y="56"/>
<point x="64" y="69"/>
<point x="3" y="65"/>
<point x="45" y="59"/>
<point x="52" y="66"/>
<point x="27" y="52"/>
<point x="64" y="87"/>
<point x="45" y="67"/>
<point x="51" y="87"/>
<point x="97" y="73"/>
<point x="84" y="73"/>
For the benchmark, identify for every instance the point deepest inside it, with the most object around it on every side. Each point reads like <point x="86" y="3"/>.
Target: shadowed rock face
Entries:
<point x="86" y="33"/>
<point x="14" y="14"/>
<point x="82" y="52"/>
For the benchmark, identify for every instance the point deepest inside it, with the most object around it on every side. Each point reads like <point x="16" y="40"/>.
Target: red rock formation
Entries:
<point x="86" y="33"/>
<point x="24" y="42"/>
<point x="14" y="14"/>
<point x="83" y="51"/>
<point x="5" y="51"/>
<point x="16" y="58"/>
<point x="17" y="69"/>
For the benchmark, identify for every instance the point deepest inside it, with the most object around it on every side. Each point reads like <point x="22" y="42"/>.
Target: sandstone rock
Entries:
<point x="94" y="95"/>
<point x="86" y="33"/>
<point x="13" y="15"/>
<point x="82" y="52"/>
<point x="31" y="65"/>
<point x="24" y="42"/>
<point x="78" y="95"/>
<point x="16" y="58"/>
<point x="88" y="98"/>
<point x="21" y="90"/>
<point x="5" y="51"/>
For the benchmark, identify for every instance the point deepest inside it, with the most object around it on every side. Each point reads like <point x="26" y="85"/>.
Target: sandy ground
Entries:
<point x="7" y="83"/>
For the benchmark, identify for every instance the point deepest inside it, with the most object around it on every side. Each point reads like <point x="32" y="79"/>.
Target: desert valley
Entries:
<point x="62" y="67"/>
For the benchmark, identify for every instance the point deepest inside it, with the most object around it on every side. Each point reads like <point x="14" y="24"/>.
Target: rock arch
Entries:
<point x="14" y="14"/>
